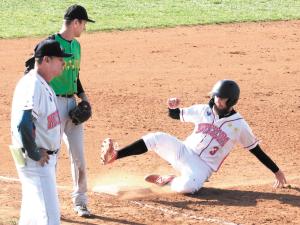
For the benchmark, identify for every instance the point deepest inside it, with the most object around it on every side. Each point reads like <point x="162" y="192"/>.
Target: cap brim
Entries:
<point x="65" y="55"/>
<point x="89" y="20"/>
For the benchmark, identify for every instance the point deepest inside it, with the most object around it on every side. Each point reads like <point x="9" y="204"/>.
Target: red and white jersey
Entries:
<point x="33" y="92"/>
<point x="213" y="138"/>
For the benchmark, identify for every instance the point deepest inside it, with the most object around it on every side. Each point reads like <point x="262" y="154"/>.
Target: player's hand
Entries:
<point x="280" y="180"/>
<point x="173" y="103"/>
<point x="44" y="157"/>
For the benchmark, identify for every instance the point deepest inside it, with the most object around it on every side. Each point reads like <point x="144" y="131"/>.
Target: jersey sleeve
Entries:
<point x="191" y="114"/>
<point x="32" y="98"/>
<point x="246" y="138"/>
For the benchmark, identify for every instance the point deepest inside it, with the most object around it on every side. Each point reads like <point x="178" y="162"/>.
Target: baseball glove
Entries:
<point x="81" y="113"/>
<point x="108" y="152"/>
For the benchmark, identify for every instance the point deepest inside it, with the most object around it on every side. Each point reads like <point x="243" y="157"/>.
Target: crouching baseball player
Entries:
<point x="36" y="136"/>
<point x="217" y="128"/>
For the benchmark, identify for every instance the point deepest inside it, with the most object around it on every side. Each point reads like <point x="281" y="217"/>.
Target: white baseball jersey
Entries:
<point x="213" y="138"/>
<point x="33" y="92"/>
<point x="40" y="204"/>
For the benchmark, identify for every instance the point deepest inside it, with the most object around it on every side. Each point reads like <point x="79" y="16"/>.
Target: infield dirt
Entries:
<point x="128" y="76"/>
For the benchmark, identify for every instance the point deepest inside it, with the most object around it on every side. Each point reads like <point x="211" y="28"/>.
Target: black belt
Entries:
<point x="66" y="96"/>
<point x="52" y="152"/>
<point x="48" y="151"/>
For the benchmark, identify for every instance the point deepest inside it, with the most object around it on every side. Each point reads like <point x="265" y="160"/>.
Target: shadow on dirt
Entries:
<point x="95" y="219"/>
<point x="215" y="196"/>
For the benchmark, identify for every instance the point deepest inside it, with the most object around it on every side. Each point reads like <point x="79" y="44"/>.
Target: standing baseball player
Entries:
<point x="36" y="136"/>
<point x="66" y="86"/>
<point x="217" y="128"/>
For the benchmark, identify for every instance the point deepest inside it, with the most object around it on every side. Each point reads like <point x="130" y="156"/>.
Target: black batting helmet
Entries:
<point x="227" y="89"/>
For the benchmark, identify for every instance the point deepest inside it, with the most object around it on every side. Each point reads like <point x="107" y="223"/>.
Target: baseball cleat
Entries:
<point x="159" y="180"/>
<point x="108" y="152"/>
<point x="82" y="210"/>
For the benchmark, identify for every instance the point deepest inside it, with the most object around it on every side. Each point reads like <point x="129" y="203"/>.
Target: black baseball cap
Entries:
<point x="77" y="12"/>
<point x="49" y="48"/>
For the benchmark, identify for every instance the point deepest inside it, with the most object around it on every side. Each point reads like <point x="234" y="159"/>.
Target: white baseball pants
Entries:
<point x="73" y="138"/>
<point x="194" y="171"/>
<point x="40" y="205"/>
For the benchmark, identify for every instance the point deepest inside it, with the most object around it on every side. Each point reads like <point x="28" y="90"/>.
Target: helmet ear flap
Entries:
<point x="229" y="102"/>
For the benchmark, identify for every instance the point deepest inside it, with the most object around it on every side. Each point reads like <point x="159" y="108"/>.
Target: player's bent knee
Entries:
<point x="152" y="139"/>
<point x="159" y="135"/>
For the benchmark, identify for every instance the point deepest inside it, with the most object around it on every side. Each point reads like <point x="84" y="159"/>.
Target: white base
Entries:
<point x="118" y="190"/>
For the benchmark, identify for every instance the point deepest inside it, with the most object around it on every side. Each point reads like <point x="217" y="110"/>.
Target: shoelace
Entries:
<point x="82" y="207"/>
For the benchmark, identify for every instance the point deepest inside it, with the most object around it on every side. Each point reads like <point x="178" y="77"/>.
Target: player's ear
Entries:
<point x="76" y="22"/>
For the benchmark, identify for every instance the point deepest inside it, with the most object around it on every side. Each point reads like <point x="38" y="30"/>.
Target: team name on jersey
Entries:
<point x="72" y="64"/>
<point x="53" y="120"/>
<point x="214" y="131"/>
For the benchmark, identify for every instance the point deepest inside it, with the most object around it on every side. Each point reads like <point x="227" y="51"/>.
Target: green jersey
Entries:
<point x="66" y="82"/>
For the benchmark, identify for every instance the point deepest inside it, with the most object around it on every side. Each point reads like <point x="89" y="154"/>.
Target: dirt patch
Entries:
<point x="129" y="75"/>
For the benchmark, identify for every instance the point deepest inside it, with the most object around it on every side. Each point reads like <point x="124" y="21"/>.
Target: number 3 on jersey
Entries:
<point x="214" y="150"/>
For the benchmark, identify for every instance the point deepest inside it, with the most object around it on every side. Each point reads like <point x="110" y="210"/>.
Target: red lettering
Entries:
<point x="53" y="120"/>
<point x="214" y="131"/>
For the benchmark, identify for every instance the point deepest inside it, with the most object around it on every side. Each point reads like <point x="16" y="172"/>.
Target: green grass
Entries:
<point x="42" y="17"/>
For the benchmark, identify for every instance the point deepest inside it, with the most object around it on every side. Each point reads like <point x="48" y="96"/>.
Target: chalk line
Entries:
<point x="187" y="215"/>
<point x="12" y="179"/>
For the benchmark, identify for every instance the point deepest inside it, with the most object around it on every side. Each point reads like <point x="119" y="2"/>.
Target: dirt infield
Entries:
<point x="128" y="77"/>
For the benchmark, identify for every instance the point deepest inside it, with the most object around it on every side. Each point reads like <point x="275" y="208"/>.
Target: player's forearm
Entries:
<point x="80" y="91"/>
<point x="26" y="132"/>
<point x="174" y="113"/>
<point x="79" y="87"/>
<point x="264" y="159"/>
<point x="83" y="97"/>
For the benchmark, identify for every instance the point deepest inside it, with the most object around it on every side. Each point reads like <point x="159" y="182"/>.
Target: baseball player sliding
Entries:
<point x="217" y="128"/>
